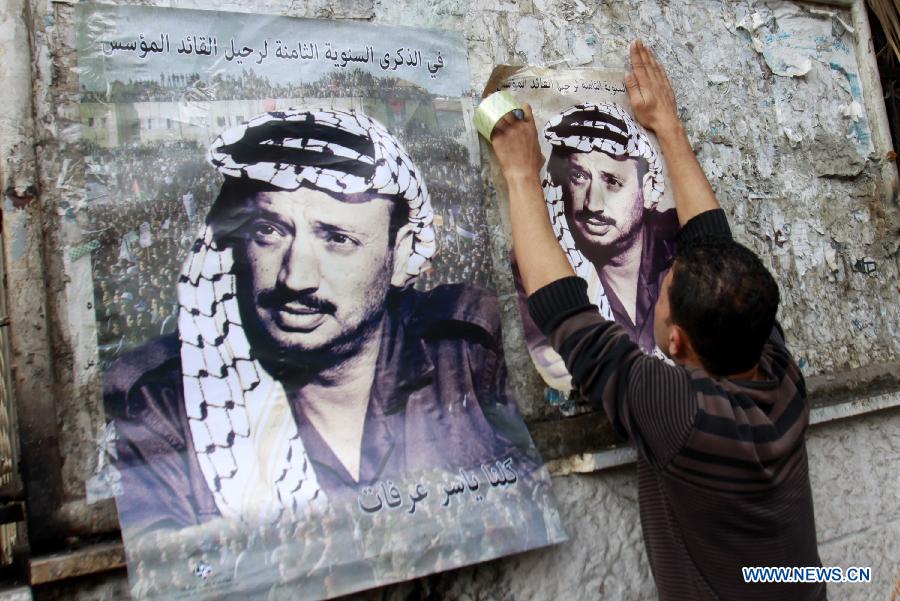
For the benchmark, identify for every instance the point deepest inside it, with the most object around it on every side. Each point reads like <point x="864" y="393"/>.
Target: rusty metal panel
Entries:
<point x="10" y="483"/>
<point x="8" y="441"/>
<point x="29" y="365"/>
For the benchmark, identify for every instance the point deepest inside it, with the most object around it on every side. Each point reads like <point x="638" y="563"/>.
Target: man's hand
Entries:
<point x="650" y="92"/>
<point x="653" y="103"/>
<point x="516" y="144"/>
<point x="541" y="260"/>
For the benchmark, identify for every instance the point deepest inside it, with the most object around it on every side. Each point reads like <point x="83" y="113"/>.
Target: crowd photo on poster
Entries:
<point x="296" y="319"/>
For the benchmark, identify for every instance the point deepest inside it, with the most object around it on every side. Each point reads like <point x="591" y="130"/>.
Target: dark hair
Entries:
<point x="572" y="125"/>
<point x="228" y="216"/>
<point x="725" y="300"/>
<point x="266" y="143"/>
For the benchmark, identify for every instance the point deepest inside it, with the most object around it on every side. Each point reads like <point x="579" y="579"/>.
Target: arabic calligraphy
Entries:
<point x="386" y="495"/>
<point x="498" y="473"/>
<point x="235" y="51"/>
<point x="565" y="87"/>
<point x="202" y="45"/>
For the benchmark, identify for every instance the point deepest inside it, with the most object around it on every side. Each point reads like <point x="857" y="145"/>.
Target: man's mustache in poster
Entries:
<point x="280" y="296"/>
<point x="595" y="216"/>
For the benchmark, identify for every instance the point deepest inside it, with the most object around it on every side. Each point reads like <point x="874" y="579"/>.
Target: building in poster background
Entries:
<point x="604" y="185"/>
<point x="303" y="360"/>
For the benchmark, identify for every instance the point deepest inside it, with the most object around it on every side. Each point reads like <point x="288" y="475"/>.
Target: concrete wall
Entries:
<point x="799" y="163"/>
<point x="853" y="467"/>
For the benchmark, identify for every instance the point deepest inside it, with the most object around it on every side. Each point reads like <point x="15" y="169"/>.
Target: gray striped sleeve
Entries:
<point x="648" y="401"/>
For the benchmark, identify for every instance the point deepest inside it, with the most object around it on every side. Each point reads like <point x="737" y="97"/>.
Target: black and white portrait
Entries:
<point x="305" y="367"/>
<point x="603" y="186"/>
<point x="300" y="343"/>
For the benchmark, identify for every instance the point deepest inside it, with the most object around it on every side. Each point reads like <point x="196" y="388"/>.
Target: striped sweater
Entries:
<point x="722" y="465"/>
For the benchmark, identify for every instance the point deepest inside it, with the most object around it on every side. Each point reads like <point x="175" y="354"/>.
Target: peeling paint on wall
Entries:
<point x="758" y="136"/>
<point x="791" y="38"/>
<point x="789" y="156"/>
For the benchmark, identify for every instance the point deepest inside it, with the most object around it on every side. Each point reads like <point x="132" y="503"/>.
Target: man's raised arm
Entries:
<point x="607" y="367"/>
<point x="653" y="102"/>
<point x="541" y="260"/>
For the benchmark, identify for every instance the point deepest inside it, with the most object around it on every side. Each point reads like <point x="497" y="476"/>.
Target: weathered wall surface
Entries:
<point x="791" y="158"/>
<point x="853" y="467"/>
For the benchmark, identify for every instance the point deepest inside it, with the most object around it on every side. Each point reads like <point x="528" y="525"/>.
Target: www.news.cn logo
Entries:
<point x="807" y="574"/>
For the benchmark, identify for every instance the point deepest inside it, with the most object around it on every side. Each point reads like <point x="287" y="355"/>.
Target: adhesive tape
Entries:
<point x="492" y="109"/>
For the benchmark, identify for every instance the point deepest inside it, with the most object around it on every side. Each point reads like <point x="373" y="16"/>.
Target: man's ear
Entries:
<point x="403" y="248"/>
<point x="678" y="343"/>
<point x="650" y="200"/>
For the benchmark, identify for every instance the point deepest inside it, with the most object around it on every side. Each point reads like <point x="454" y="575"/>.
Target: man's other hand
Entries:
<point x="649" y="91"/>
<point x="653" y="103"/>
<point x="541" y="260"/>
<point x="516" y="144"/>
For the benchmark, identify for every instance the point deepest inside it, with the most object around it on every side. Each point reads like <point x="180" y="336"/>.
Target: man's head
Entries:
<point x="716" y="306"/>
<point x="323" y="212"/>
<point x="313" y="269"/>
<point x="603" y="198"/>
<point x="606" y="174"/>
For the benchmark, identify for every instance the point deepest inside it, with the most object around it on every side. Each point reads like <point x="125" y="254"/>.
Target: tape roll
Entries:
<point x="492" y="109"/>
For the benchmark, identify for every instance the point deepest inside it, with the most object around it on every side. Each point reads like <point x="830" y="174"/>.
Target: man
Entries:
<point x="305" y="368"/>
<point x="722" y="466"/>
<point x="603" y="189"/>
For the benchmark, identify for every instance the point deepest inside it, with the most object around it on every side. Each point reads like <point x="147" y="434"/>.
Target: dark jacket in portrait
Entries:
<point x="439" y="401"/>
<point x="657" y="253"/>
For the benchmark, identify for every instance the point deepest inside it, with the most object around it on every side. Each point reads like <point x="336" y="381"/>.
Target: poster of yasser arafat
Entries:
<point x="301" y="346"/>
<point x="605" y="188"/>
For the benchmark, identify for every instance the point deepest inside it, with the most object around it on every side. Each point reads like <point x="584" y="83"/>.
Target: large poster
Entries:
<point x="302" y="354"/>
<point x="605" y="188"/>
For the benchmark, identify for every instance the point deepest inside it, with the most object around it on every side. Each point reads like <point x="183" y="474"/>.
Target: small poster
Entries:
<point x="605" y="188"/>
<point x="301" y="347"/>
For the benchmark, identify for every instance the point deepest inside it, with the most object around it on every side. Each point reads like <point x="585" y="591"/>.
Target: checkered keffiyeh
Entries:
<point x="243" y="432"/>
<point x="586" y="128"/>
<point x="344" y="152"/>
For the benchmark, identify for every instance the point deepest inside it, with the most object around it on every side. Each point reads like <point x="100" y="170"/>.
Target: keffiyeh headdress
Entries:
<point x="342" y="152"/>
<point x="244" y="434"/>
<point x="586" y="128"/>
